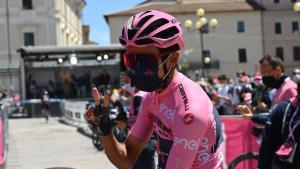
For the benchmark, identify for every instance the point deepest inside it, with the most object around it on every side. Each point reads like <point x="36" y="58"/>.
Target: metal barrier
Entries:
<point x="34" y="107"/>
<point x="4" y="136"/>
<point x="74" y="113"/>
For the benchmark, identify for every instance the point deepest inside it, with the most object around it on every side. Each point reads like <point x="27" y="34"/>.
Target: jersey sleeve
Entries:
<point x="143" y="126"/>
<point x="290" y="93"/>
<point x="188" y="134"/>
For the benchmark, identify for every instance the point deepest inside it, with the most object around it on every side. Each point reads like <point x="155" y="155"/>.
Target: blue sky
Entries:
<point x="93" y="16"/>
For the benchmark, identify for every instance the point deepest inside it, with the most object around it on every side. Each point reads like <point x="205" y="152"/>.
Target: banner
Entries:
<point x="239" y="140"/>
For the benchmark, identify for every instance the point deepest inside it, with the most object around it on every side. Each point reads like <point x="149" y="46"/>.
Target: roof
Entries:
<point x="34" y="53"/>
<point x="190" y="6"/>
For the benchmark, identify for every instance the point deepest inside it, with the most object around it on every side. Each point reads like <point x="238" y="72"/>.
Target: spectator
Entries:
<point x="224" y="106"/>
<point x="281" y="136"/>
<point x="273" y="77"/>
<point x="33" y="89"/>
<point x="106" y="78"/>
<point x="59" y="91"/>
<point x="296" y="75"/>
<point x="51" y="88"/>
<point x="261" y="101"/>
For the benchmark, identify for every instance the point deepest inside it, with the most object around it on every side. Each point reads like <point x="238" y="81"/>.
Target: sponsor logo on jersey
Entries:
<point x="160" y="124"/>
<point x="184" y="98"/>
<point x="187" y="144"/>
<point x="201" y="145"/>
<point x="188" y="118"/>
<point x="168" y="113"/>
<point x="203" y="154"/>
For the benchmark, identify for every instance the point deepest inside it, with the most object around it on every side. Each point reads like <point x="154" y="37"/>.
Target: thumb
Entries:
<point x="96" y="96"/>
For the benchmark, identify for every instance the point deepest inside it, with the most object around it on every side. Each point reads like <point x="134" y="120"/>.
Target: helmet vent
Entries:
<point x="144" y="41"/>
<point x="167" y="33"/>
<point x="143" y="21"/>
<point x="153" y="26"/>
<point x="144" y="13"/>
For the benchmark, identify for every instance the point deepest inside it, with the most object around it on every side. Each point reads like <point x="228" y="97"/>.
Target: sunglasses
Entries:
<point x="148" y="61"/>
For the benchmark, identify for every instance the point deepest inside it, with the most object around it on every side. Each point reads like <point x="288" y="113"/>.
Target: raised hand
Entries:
<point x="98" y="117"/>
<point x="245" y="111"/>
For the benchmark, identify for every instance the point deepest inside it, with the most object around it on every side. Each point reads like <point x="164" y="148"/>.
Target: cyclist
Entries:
<point x="281" y="139"/>
<point x="188" y="128"/>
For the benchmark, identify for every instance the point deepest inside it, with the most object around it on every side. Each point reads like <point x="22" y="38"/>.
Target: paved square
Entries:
<point x="37" y="145"/>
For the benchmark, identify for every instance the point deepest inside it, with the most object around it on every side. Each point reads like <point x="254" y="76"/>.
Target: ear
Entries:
<point x="278" y="72"/>
<point x="174" y="59"/>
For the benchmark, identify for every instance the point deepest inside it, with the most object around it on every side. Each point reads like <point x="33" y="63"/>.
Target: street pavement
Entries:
<point x="33" y="144"/>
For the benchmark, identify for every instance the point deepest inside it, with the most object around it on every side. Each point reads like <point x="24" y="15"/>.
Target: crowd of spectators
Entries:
<point x="73" y="87"/>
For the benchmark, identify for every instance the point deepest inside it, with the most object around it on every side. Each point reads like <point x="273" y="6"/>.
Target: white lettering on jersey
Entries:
<point x="168" y="113"/>
<point x="203" y="155"/>
<point x="188" y="144"/>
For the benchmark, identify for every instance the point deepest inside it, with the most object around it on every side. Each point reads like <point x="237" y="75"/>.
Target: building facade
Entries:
<point x="35" y="23"/>
<point x="244" y="34"/>
<point x="281" y="32"/>
<point x="235" y="44"/>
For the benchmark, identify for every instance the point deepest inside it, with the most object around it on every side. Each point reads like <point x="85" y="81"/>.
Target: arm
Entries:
<point x="260" y="118"/>
<point x="123" y="156"/>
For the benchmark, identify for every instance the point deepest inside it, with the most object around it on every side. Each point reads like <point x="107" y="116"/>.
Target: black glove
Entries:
<point x="102" y="124"/>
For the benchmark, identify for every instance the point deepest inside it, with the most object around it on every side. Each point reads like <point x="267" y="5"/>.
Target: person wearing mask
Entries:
<point x="280" y="146"/>
<point x="273" y="77"/>
<point x="296" y="75"/>
<point x="188" y="127"/>
<point x="261" y="101"/>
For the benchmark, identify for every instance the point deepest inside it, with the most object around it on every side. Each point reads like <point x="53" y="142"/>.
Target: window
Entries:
<point x="242" y="56"/>
<point x="296" y="50"/>
<point x="279" y="53"/>
<point x="240" y="26"/>
<point x="278" y="28"/>
<point x="276" y="1"/>
<point x="27" y="4"/>
<point x="295" y="27"/>
<point x="29" y="39"/>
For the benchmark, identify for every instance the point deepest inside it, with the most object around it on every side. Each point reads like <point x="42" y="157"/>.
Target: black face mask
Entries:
<point x="269" y="81"/>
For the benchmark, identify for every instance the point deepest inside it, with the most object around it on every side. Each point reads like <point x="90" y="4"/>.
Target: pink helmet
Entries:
<point x="153" y="29"/>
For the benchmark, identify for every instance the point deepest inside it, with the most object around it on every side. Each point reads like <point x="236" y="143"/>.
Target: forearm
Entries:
<point x="116" y="152"/>
<point x="260" y="118"/>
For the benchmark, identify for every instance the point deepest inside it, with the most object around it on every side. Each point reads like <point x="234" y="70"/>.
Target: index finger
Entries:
<point x="96" y="96"/>
<point x="106" y="99"/>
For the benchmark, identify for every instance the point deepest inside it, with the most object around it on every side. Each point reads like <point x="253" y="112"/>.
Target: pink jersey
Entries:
<point x="135" y="103"/>
<point x="188" y="128"/>
<point x="286" y="91"/>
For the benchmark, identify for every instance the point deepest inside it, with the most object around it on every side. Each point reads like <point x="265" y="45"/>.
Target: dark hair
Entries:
<point x="170" y="49"/>
<point x="273" y="61"/>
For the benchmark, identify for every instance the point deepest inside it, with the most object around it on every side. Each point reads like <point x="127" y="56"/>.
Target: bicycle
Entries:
<point x="256" y="131"/>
